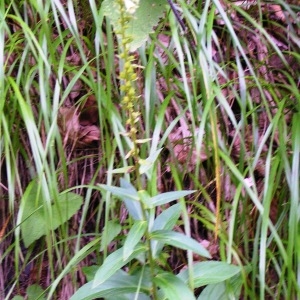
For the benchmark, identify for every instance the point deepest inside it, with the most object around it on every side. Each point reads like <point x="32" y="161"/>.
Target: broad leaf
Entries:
<point x="35" y="292"/>
<point x="119" y="284"/>
<point x="148" y="163"/>
<point x="111" y="229"/>
<point x="223" y="290"/>
<point x="134" y="207"/>
<point x="179" y="240"/>
<point x="35" y="218"/>
<point x="210" y="272"/>
<point x="168" y="197"/>
<point x="90" y="272"/>
<point x="168" y="218"/>
<point x="145" y="199"/>
<point x="165" y="221"/>
<point x="115" y="262"/>
<point x="134" y="237"/>
<point x="120" y="192"/>
<point x="173" y="287"/>
<point x="144" y="19"/>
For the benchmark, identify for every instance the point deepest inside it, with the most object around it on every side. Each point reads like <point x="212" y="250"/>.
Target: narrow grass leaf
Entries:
<point x="113" y="263"/>
<point x="179" y="240"/>
<point x="133" y="238"/>
<point x="210" y="272"/>
<point x="75" y="260"/>
<point x="173" y="287"/>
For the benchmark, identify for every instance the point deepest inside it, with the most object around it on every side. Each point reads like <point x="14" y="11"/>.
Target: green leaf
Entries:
<point x="165" y="198"/>
<point x="34" y="292"/>
<point x="223" y="290"/>
<point x="134" y="236"/>
<point x="210" y="272"/>
<point x="148" y="163"/>
<point x="111" y="229"/>
<point x="134" y="207"/>
<point x="35" y="218"/>
<point x="145" y="199"/>
<point x="119" y="284"/>
<point x="173" y="287"/>
<point x="115" y="262"/>
<point x="90" y="272"/>
<point x="166" y="220"/>
<point x="179" y="240"/>
<point x="144" y="19"/>
<point x="122" y="170"/>
<point x="120" y="192"/>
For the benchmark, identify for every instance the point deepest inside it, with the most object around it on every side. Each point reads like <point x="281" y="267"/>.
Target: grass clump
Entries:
<point x="168" y="170"/>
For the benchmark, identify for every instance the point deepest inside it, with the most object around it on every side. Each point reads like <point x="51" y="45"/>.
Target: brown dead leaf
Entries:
<point x="74" y="132"/>
<point x="182" y="149"/>
<point x="89" y="114"/>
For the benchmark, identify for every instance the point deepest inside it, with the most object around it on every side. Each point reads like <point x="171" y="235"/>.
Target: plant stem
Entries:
<point x="130" y="104"/>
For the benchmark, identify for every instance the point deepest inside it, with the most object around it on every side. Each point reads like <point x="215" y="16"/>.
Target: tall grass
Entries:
<point x="221" y="99"/>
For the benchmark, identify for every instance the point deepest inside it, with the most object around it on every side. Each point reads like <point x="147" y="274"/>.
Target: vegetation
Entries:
<point x="149" y="150"/>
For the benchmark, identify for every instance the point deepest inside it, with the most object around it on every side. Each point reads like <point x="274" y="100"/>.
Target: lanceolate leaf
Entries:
<point x="115" y="262"/>
<point x="223" y="290"/>
<point x="144" y="19"/>
<point x="120" y="192"/>
<point x="148" y="163"/>
<point x="165" y="198"/>
<point x="110" y="231"/>
<point x="119" y="284"/>
<point x="134" y="207"/>
<point x="165" y="221"/>
<point x="173" y="287"/>
<point x="210" y="272"/>
<point x="179" y="240"/>
<point x="128" y="194"/>
<point x="134" y="236"/>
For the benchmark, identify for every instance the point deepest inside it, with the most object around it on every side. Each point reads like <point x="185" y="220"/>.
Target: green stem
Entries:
<point x="129" y="102"/>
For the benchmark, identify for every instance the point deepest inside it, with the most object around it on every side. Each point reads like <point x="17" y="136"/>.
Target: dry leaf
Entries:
<point x="78" y="134"/>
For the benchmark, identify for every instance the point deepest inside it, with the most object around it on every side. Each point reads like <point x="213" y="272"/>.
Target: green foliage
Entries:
<point x="108" y="276"/>
<point x="172" y="287"/>
<point x="210" y="272"/>
<point x="33" y="292"/>
<point x="231" y="289"/>
<point x="202" y="124"/>
<point x="34" y="213"/>
<point x="120" y="284"/>
<point x="145" y="18"/>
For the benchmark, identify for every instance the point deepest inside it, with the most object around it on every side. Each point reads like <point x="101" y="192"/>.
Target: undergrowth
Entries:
<point x="161" y="166"/>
